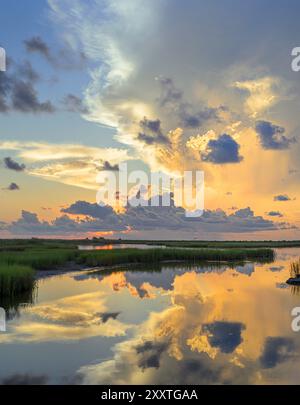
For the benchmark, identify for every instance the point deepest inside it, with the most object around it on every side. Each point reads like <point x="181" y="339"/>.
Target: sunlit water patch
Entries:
<point x="119" y="246"/>
<point x="183" y="324"/>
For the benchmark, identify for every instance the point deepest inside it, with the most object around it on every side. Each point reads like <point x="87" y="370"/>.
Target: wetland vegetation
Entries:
<point x="19" y="259"/>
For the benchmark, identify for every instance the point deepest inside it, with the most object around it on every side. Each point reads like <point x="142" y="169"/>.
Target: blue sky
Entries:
<point x="19" y="22"/>
<point x="88" y="80"/>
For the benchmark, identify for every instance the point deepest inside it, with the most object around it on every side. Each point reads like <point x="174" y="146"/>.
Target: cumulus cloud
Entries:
<point x="161" y="104"/>
<point x="222" y="150"/>
<point x="275" y="214"/>
<point x="106" y="316"/>
<point x="276" y="350"/>
<point x="172" y="99"/>
<point x="242" y="220"/>
<point x="24" y="98"/>
<point x="30" y="224"/>
<point x="12" y="187"/>
<point x="74" y="318"/>
<point x="89" y="209"/>
<point x="11" y="164"/>
<point x="18" y="90"/>
<point x="170" y="340"/>
<point x="72" y="164"/>
<point x="178" y="95"/>
<point x="129" y="90"/>
<point x="272" y="136"/>
<point x="281" y="197"/>
<point x="4" y="92"/>
<point x="109" y="167"/>
<point x="94" y="218"/>
<point x="152" y="132"/>
<point x="37" y="45"/>
<point x="64" y="58"/>
<point x="262" y="93"/>
<point x="224" y="335"/>
<point x="149" y="353"/>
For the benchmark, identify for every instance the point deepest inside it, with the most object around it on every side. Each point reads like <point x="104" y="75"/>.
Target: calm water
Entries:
<point x="177" y="324"/>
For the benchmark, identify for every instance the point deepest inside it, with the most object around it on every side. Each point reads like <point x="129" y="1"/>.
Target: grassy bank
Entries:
<point x="58" y="244"/>
<point x="221" y="244"/>
<point x="50" y="259"/>
<point x="120" y="256"/>
<point x="15" y="279"/>
<point x="39" y="259"/>
<point x="19" y="262"/>
<point x="17" y="268"/>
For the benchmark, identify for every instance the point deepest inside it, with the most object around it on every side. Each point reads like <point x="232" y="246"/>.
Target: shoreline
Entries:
<point x="75" y="267"/>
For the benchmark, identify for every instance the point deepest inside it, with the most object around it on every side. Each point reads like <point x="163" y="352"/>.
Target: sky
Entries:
<point x="164" y="86"/>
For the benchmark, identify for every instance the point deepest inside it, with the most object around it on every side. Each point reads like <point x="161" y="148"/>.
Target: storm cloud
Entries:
<point x="109" y="167"/>
<point x="25" y="99"/>
<point x="37" y="45"/>
<point x="188" y="115"/>
<point x="90" y="209"/>
<point x="18" y="90"/>
<point x="276" y="350"/>
<point x="222" y="150"/>
<point x="63" y="58"/>
<point x="152" y="132"/>
<point x="149" y="353"/>
<point x="272" y="136"/>
<point x="86" y="217"/>
<point x="227" y="336"/>
<point x="11" y="164"/>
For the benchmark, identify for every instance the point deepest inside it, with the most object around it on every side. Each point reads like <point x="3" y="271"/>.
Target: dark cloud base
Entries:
<point x="95" y="218"/>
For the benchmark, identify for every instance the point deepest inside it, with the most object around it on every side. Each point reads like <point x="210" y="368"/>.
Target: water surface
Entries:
<point x="175" y="324"/>
<point x="119" y="246"/>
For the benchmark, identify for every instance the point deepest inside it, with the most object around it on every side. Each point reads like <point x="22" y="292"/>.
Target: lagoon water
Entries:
<point x="119" y="246"/>
<point x="174" y="324"/>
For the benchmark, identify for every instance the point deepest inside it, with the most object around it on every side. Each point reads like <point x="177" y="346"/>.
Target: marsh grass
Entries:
<point x="13" y="304"/>
<point x="295" y="269"/>
<point x="39" y="259"/>
<point x="214" y="244"/>
<point x="124" y="256"/>
<point x="295" y="290"/>
<point x="17" y="267"/>
<point x="143" y="267"/>
<point x="15" y="279"/>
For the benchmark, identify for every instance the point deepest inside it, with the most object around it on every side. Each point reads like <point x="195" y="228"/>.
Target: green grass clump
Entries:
<point x="120" y="256"/>
<point x="295" y="269"/>
<point x="15" y="279"/>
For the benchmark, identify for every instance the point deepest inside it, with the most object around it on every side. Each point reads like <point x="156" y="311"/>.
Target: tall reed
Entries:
<point x="120" y="256"/>
<point x="40" y="259"/>
<point x="15" y="279"/>
<point x="295" y="269"/>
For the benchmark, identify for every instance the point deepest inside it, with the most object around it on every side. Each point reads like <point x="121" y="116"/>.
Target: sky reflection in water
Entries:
<point x="177" y="324"/>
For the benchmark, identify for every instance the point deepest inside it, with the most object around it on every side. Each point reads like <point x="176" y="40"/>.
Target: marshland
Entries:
<point x="129" y="311"/>
<point x="20" y="259"/>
